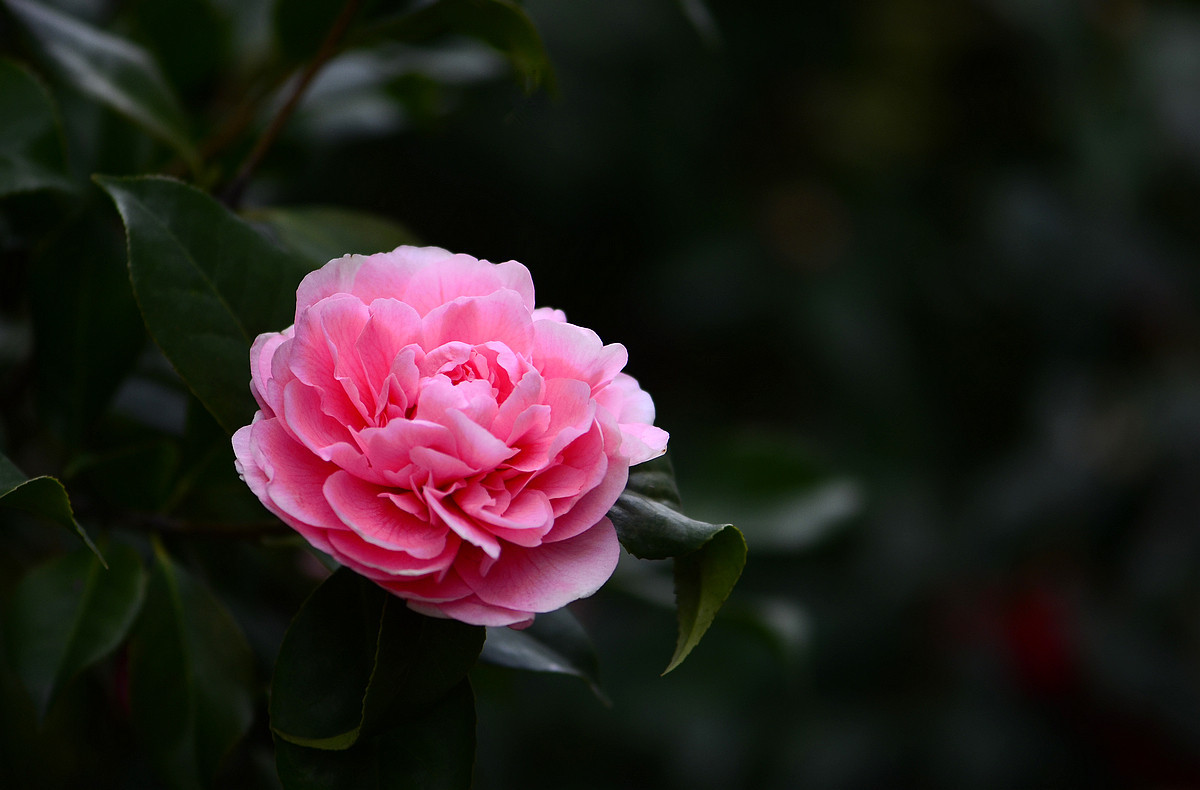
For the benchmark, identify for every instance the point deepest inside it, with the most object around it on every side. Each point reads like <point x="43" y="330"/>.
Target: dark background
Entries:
<point x="914" y="286"/>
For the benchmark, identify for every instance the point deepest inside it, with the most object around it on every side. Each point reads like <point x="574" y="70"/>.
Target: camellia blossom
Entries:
<point x="423" y="424"/>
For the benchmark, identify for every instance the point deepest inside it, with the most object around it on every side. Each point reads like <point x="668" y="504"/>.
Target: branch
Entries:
<point x="233" y="193"/>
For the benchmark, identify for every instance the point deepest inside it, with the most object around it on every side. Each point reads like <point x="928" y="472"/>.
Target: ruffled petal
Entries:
<point x="549" y="576"/>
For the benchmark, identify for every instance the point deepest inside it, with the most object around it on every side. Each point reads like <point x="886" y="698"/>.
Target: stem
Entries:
<point x="233" y="193"/>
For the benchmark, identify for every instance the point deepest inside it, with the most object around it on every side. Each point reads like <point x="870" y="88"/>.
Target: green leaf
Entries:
<point x="431" y="750"/>
<point x="207" y="283"/>
<point x="31" y="141"/>
<point x="110" y="69"/>
<point x="703" y="580"/>
<point x="322" y="233"/>
<point x="647" y="515"/>
<point x="708" y="557"/>
<point x="68" y="614"/>
<point x="355" y="656"/>
<point x="501" y="24"/>
<point x="556" y="643"/>
<point x="87" y="329"/>
<point x="42" y="496"/>
<point x="191" y="678"/>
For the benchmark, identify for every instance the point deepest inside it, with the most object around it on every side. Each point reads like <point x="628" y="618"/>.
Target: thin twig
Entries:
<point x="233" y="193"/>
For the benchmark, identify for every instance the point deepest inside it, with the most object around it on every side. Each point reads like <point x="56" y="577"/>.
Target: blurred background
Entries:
<point x="914" y="286"/>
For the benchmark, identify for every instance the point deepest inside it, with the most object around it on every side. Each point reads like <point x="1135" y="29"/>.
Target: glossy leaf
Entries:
<point x="430" y="750"/>
<point x="647" y="515"/>
<point x="556" y="643"/>
<point x="42" y="496"/>
<point x="31" y="142"/>
<point x="501" y="24"/>
<point x="207" y="283"/>
<point x="355" y="656"/>
<point x="190" y="678"/>
<point x="322" y="233"/>
<point x="703" y="580"/>
<point x="708" y="557"/>
<point x="110" y="69"/>
<point x="86" y="324"/>
<point x="68" y="614"/>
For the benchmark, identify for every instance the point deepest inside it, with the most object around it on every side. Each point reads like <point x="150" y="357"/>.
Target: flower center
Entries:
<point x="463" y="372"/>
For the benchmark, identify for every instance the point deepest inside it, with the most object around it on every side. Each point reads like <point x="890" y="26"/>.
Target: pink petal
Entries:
<point x="516" y="277"/>
<point x="626" y="400"/>
<point x="549" y="314"/>
<point x="640" y="443"/>
<point x="440" y="398"/>
<point x="379" y="564"/>
<point x="549" y="576"/>
<point x="367" y="510"/>
<point x="499" y="317"/>
<point x="295" y="477"/>
<point x="390" y="448"/>
<point x="325" y="436"/>
<point x="593" y="505"/>
<point x="369" y="277"/>
<point x="473" y="611"/>
<point x="526" y="394"/>
<point x="262" y="352"/>
<point x="453" y="276"/>
<point x="446" y="585"/>
<point x="463" y="525"/>
<point x="573" y="352"/>
<point x="391" y="327"/>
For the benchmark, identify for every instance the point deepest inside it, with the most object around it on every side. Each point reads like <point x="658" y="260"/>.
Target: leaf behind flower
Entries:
<point x="69" y="613"/>
<point x="31" y="141"/>
<point x="322" y="233"/>
<point x="207" y="284"/>
<point x="112" y="70"/>
<point x="41" y="496"/>
<point x="555" y="643"/>
<point x="709" y="558"/>
<point x="355" y="658"/>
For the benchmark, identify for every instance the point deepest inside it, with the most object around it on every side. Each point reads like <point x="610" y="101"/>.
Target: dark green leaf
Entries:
<point x="68" y="614"/>
<point x="190" y="676"/>
<point x="556" y="642"/>
<point x="430" y="750"/>
<point x="647" y="515"/>
<point x="207" y="284"/>
<point x="322" y="233"/>
<point x="501" y="24"/>
<point x="703" y="580"/>
<point x="355" y="656"/>
<point x="87" y="330"/>
<point x="708" y="557"/>
<point x="31" y="142"/>
<point x="110" y="69"/>
<point x="42" y="496"/>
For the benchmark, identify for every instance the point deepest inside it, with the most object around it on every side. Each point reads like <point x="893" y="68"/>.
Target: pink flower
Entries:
<point x="427" y="427"/>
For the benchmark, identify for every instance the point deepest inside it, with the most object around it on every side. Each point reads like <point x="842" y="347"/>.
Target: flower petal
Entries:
<point x="549" y="576"/>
